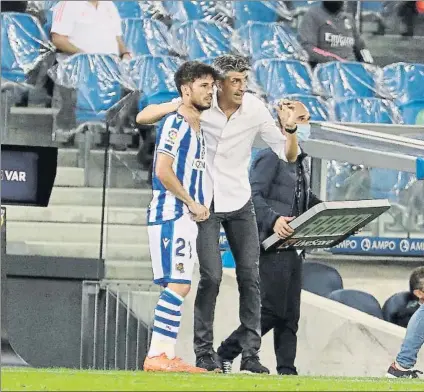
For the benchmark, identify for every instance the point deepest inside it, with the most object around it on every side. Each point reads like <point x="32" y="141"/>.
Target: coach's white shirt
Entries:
<point x="229" y="146"/>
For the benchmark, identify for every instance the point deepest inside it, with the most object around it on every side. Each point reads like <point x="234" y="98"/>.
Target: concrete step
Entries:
<point x="79" y="250"/>
<point x="139" y="198"/>
<point x="77" y="214"/>
<point x="69" y="176"/>
<point x="67" y="157"/>
<point x="75" y="232"/>
<point x="128" y="270"/>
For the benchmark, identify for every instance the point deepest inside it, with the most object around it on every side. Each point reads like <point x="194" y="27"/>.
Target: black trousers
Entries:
<point x="281" y="285"/>
<point x="242" y="234"/>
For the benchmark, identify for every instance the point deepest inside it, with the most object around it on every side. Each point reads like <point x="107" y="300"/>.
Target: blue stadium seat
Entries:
<point x="128" y="9"/>
<point x="386" y="183"/>
<point x="317" y="107"/>
<point x="280" y="77"/>
<point x="346" y="79"/>
<point x="404" y="81"/>
<point x="147" y="36"/>
<point x="359" y="300"/>
<point x="24" y="45"/>
<point x="320" y="279"/>
<point x="183" y="11"/>
<point x="366" y="110"/>
<point x="153" y="76"/>
<point x="270" y="40"/>
<point x="97" y="82"/>
<point x="399" y="308"/>
<point x="201" y="38"/>
<point x="261" y="11"/>
<point x="413" y="112"/>
<point x="372" y="7"/>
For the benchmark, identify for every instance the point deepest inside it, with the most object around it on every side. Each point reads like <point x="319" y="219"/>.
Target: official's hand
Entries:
<point x="282" y="228"/>
<point x="199" y="212"/>
<point x="190" y="115"/>
<point x="286" y="114"/>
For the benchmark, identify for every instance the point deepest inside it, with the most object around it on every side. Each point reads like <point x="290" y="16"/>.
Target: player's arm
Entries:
<point x="166" y="175"/>
<point x="153" y="113"/>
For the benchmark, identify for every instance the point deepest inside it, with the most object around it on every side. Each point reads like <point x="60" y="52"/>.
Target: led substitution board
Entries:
<point x="329" y="223"/>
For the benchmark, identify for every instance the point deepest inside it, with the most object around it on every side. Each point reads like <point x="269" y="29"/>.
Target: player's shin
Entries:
<point x="166" y="324"/>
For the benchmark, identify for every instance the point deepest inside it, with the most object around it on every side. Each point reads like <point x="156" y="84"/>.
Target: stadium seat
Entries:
<point x="128" y="9"/>
<point x="183" y="11"/>
<point x="320" y="279"/>
<point x="269" y="40"/>
<point x="317" y="107"/>
<point x="360" y="300"/>
<point x="372" y="7"/>
<point x="201" y="38"/>
<point x="261" y="11"/>
<point x="413" y="112"/>
<point x="97" y="81"/>
<point x="24" y="45"/>
<point x="153" y="76"/>
<point x="399" y="308"/>
<point x="347" y="79"/>
<point x="387" y="183"/>
<point x="148" y="36"/>
<point x="366" y="110"/>
<point x="405" y="82"/>
<point x="279" y="78"/>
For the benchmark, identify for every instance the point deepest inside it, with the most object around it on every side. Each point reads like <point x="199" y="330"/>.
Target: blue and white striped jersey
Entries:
<point x="177" y="139"/>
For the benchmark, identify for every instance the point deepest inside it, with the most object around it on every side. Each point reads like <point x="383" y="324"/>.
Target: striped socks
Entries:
<point x="166" y="324"/>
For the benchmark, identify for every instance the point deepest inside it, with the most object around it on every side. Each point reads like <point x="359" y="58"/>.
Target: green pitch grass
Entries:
<point x="70" y="380"/>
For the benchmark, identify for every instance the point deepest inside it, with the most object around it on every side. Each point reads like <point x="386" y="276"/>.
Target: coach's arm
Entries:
<point x="154" y="113"/>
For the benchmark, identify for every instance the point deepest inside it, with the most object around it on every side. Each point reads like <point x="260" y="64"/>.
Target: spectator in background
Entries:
<point x="83" y="27"/>
<point x="414" y="338"/>
<point x="408" y="11"/>
<point x="280" y="192"/>
<point x="88" y="27"/>
<point x="328" y="33"/>
<point x="13" y="6"/>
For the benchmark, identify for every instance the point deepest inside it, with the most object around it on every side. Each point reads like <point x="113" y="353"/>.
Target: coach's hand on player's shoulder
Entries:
<point x="282" y="228"/>
<point x="190" y="115"/>
<point x="198" y="211"/>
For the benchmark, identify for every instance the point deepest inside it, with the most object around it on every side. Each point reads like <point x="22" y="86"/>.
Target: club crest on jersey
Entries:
<point x="199" y="164"/>
<point x="180" y="267"/>
<point x="347" y="23"/>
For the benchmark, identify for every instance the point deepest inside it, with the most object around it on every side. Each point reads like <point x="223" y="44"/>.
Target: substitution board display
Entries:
<point x="327" y="224"/>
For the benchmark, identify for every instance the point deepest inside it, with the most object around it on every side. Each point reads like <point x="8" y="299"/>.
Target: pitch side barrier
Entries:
<point x="367" y="147"/>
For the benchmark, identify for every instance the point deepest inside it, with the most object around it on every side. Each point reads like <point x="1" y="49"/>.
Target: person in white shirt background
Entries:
<point x="230" y="127"/>
<point x="83" y="27"/>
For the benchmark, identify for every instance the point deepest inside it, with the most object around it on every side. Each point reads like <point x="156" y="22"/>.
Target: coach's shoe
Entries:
<point x="252" y="365"/>
<point x="395" y="372"/>
<point x="209" y="363"/>
<point x="162" y="363"/>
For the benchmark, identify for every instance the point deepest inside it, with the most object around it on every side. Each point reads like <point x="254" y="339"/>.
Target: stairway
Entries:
<point x="70" y="225"/>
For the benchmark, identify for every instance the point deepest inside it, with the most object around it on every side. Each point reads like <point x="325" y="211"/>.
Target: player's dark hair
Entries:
<point x="191" y="71"/>
<point x="230" y="63"/>
<point x="416" y="281"/>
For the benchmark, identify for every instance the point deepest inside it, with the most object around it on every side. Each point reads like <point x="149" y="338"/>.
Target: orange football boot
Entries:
<point x="162" y="363"/>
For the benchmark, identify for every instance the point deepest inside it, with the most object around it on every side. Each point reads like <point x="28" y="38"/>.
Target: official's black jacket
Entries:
<point x="273" y="183"/>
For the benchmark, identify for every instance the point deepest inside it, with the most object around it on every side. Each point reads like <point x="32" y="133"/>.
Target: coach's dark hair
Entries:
<point x="230" y="63"/>
<point x="192" y="70"/>
<point x="416" y="281"/>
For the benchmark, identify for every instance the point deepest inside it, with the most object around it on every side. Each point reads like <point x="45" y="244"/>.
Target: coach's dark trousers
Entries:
<point x="242" y="234"/>
<point x="281" y="282"/>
